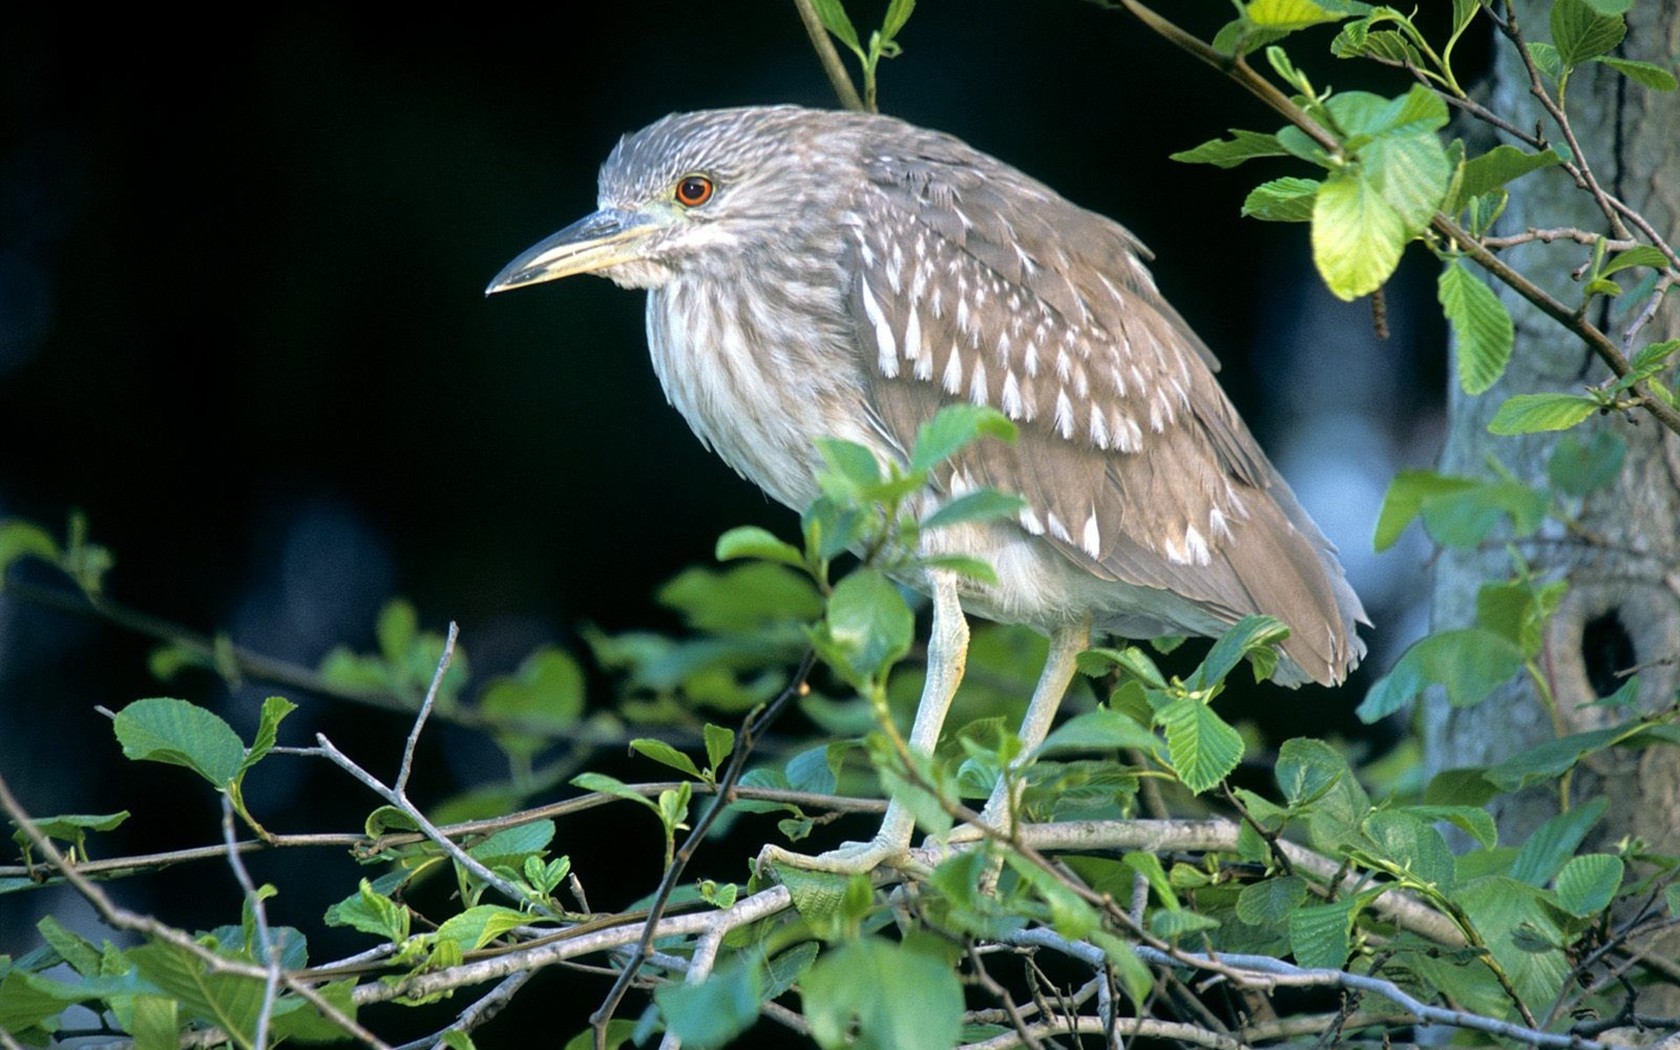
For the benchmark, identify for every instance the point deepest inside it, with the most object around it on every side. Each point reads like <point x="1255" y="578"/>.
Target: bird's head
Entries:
<point x="688" y="191"/>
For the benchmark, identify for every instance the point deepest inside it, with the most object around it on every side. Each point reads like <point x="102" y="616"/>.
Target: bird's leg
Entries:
<point x="1066" y="643"/>
<point x="947" y="657"/>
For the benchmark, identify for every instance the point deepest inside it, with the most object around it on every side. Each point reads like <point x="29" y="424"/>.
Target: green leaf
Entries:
<point x="1460" y="787"/>
<point x="545" y="693"/>
<point x="1228" y="153"/>
<point x="984" y="504"/>
<point x="1550" y="760"/>
<point x="1100" y="730"/>
<point x="1271" y="901"/>
<point x="1514" y="918"/>
<point x="1646" y="74"/>
<point x="818" y="896"/>
<point x="851" y="468"/>
<point x="479" y="925"/>
<point x="1307" y="770"/>
<point x="155" y="1023"/>
<point x="1251" y="636"/>
<point x="720" y="744"/>
<point x="274" y="711"/>
<point x="372" y="912"/>
<point x="741" y="598"/>
<point x="873" y="994"/>
<point x="1282" y="200"/>
<point x="1554" y="842"/>
<point x="1320" y="936"/>
<point x="1577" y="467"/>
<point x="1202" y="747"/>
<point x="1411" y="844"/>
<point x="1404" y="501"/>
<point x="1482" y="330"/>
<point x="1546" y="59"/>
<point x="953" y="428"/>
<point x="510" y="847"/>
<point x="1581" y="33"/>
<point x="1465" y="518"/>
<point x="1588" y="883"/>
<point x="666" y="755"/>
<point x="1472" y="820"/>
<point x="1498" y="166"/>
<point x="750" y="541"/>
<point x="1357" y="236"/>
<point x="1470" y="663"/>
<point x="20" y="539"/>
<point x="230" y="1001"/>
<point x="619" y="1030"/>
<point x="868" y="623"/>
<point x="713" y="1012"/>
<point x="161" y="729"/>
<point x="600" y="782"/>
<point x="1639" y="255"/>
<point x="1290" y="15"/>
<point x="71" y="827"/>
<point x="834" y="20"/>
<point x="1533" y="413"/>
<point x="962" y="565"/>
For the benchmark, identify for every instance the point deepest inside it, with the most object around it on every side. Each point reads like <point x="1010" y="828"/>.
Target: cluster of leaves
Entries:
<point x="1390" y="181"/>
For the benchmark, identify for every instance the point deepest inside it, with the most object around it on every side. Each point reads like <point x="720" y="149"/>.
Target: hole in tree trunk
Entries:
<point x="1606" y="649"/>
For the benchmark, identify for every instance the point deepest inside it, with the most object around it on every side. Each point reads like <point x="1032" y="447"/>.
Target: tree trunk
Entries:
<point x="1623" y="606"/>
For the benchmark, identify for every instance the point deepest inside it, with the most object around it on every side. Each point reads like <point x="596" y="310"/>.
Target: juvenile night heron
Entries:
<point x="815" y="273"/>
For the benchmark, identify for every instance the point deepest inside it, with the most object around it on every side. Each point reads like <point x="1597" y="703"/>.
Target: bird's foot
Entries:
<point x="853" y="858"/>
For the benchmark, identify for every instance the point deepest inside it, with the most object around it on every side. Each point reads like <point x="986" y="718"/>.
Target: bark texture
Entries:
<point x="1623" y="607"/>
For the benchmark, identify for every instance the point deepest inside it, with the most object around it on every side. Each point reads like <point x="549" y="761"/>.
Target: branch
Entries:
<point x="835" y="69"/>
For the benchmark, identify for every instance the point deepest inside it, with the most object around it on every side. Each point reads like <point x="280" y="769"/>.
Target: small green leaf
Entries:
<point x="603" y="784"/>
<point x="544" y="697"/>
<point x="1533" y="413"/>
<point x="952" y="429"/>
<point x="1498" y="166"/>
<point x="1550" y="760"/>
<point x="1307" y="770"/>
<point x="480" y="924"/>
<point x="1482" y="330"/>
<point x="665" y="754"/>
<point x="834" y="19"/>
<point x="873" y="994"/>
<point x="983" y="504"/>
<point x="1551" y="845"/>
<point x="1645" y="74"/>
<point x="1320" y="936"/>
<point x="1228" y="153"/>
<point x="720" y="744"/>
<point x="1404" y="501"/>
<point x="711" y="1013"/>
<point x="20" y="539"/>
<point x="1290" y="15"/>
<point x="1581" y="33"/>
<point x="372" y="912"/>
<point x="1271" y="900"/>
<point x="1471" y="663"/>
<point x="750" y="541"/>
<point x="1357" y="236"/>
<point x="1466" y="518"/>
<point x="1100" y="730"/>
<point x="1251" y="637"/>
<point x="1203" y="747"/>
<point x="1282" y="200"/>
<point x="1588" y="883"/>
<point x="1546" y="59"/>
<point x="274" y="711"/>
<point x="1578" y="467"/>
<point x="1472" y="820"/>
<point x="850" y="466"/>
<point x="177" y="733"/>
<point x="868" y="623"/>
<point x="1412" y="845"/>
<point x="1638" y="255"/>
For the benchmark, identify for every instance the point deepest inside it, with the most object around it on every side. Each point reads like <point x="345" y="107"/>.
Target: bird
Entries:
<point x="818" y="273"/>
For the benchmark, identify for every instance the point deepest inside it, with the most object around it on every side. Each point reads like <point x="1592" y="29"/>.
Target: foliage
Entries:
<point x="1395" y="904"/>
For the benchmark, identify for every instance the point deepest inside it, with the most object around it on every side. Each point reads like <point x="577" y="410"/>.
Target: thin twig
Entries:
<point x="269" y="950"/>
<point x="407" y="767"/>
<point x="745" y="740"/>
<point x="832" y="66"/>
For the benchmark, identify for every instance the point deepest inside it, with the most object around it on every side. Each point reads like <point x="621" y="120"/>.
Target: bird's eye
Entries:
<point x="694" y="190"/>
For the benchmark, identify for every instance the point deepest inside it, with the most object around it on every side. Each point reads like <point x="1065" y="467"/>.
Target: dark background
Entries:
<point x="242" y="328"/>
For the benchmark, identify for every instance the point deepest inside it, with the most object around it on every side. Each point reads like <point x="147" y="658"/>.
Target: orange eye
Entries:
<point x="694" y="190"/>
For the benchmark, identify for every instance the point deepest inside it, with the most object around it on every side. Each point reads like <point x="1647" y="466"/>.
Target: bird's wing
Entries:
<point x="973" y="282"/>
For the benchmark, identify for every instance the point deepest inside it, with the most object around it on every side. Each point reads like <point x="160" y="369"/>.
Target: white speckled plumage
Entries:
<point x="853" y="273"/>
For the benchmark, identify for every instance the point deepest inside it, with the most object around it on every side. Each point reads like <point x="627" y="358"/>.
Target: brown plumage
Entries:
<point x="816" y="274"/>
<point x="853" y="272"/>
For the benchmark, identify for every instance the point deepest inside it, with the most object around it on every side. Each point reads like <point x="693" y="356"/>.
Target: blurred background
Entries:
<point x="242" y="328"/>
